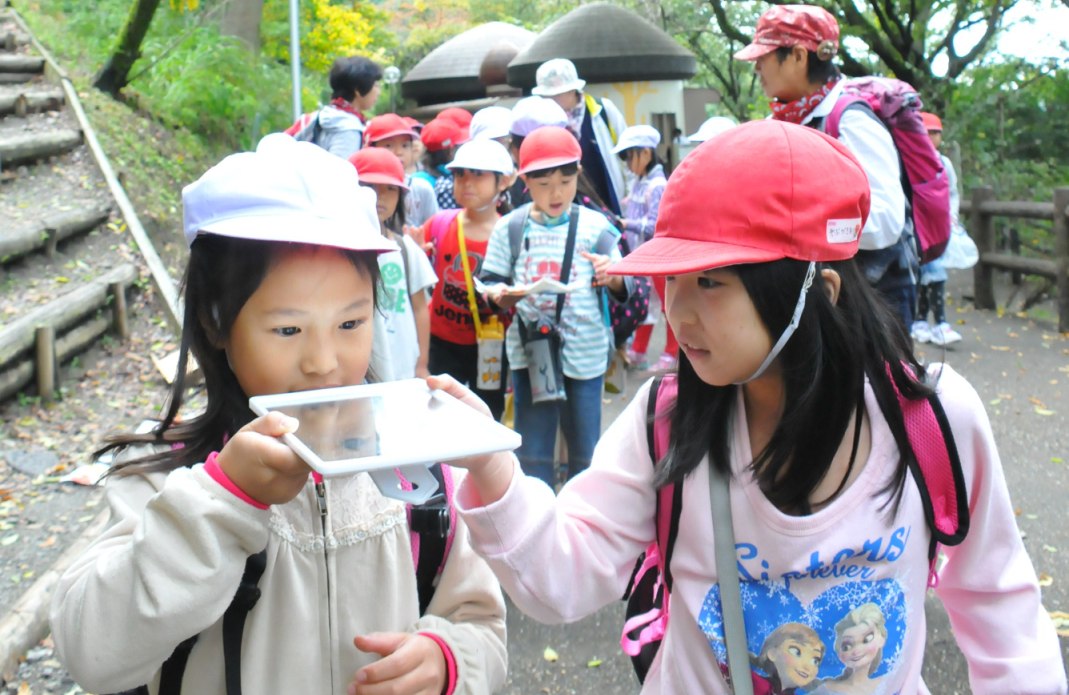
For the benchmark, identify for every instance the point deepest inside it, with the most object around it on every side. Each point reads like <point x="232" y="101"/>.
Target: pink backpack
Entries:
<point x="935" y="467"/>
<point x="897" y="105"/>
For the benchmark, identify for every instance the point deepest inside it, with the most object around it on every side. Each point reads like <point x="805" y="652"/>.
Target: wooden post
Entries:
<point x="118" y="308"/>
<point x="1061" y="255"/>
<point x="51" y="242"/>
<point x="45" y="337"/>
<point x="983" y="230"/>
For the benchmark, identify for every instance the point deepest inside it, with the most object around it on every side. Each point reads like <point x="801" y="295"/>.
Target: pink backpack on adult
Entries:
<point x="897" y="105"/>
<point x="935" y="467"/>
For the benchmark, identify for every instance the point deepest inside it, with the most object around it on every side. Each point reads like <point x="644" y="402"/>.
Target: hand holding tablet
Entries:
<point x="379" y="427"/>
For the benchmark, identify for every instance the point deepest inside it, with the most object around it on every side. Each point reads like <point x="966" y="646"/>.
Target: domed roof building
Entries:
<point x="451" y="72"/>
<point x="608" y="44"/>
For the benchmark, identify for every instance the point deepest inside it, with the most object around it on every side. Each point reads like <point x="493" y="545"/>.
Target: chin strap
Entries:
<point x="789" y="330"/>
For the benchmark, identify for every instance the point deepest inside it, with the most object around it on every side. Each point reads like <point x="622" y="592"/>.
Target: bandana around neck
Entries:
<point x="797" y="110"/>
<point x="343" y="105"/>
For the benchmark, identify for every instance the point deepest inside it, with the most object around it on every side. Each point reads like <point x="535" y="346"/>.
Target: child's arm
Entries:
<point x="422" y="315"/>
<point x="988" y="584"/>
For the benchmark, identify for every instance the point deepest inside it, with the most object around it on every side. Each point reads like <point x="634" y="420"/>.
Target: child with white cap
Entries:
<point x="784" y="440"/>
<point x="402" y="345"/>
<point x="279" y="296"/>
<point x="638" y="150"/>
<point x="463" y="324"/>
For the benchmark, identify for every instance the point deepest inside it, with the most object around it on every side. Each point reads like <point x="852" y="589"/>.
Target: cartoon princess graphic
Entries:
<point x="859" y="640"/>
<point x="791" y="656"/>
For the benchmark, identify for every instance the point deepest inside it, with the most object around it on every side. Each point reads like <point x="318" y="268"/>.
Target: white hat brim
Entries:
<point x="576" y="86"/>
<point x="300" y="229"/>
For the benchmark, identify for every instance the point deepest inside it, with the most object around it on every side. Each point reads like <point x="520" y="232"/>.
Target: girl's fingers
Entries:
<point x="457" y="390"/>
<point x="274" y="424"/>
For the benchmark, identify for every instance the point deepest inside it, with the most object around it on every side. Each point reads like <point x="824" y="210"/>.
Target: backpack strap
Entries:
<point x="244" y="600"/>
<point x="845" y="101"/>
<point x="670" y="496"/>
<point x="517" y="228"/>
<point x="432" y="526"/>
<point x="936" y="468"/>
<point x="173" y="670"/>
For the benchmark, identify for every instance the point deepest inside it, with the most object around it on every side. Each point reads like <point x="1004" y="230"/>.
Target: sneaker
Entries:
<point x="637" y="360"/>
<point x="944" y="335"/>
<point x="921" y="332"/>
<point x="665" y="363"/>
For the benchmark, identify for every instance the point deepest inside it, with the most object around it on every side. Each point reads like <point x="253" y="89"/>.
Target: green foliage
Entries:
<point x="328" y="29"/>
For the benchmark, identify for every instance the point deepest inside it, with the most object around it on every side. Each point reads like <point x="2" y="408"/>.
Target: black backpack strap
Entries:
<point x="517" y="227"/>
<point x="569" y="253"/>
<point x="244" y="600"/>
<point x="431" y="520"/>
<point x="173" y="670"/>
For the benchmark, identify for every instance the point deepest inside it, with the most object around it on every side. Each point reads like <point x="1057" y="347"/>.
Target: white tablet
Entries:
<point x="371" y="427"/>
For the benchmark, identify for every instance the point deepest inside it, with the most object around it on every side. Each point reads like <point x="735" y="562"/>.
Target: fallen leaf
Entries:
<point x="47" y="543"/>
<point x="1045" y="579"/>
<point x="593" y="663"/>
<point x="1061" y="622"/>
<point x="8" y="540"/>
<point x="1043" y="411"/>
<point x="550" y="655"/>
<point x="1056" y="459"/>
<point x="1050" y="548"/>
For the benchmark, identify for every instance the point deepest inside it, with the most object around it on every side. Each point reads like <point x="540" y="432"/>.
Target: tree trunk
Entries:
<point x="241" y="18"/>
<point x="116" y="72"/>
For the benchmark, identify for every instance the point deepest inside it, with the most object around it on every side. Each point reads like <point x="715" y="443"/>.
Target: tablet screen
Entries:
<point x="362" y="428"/>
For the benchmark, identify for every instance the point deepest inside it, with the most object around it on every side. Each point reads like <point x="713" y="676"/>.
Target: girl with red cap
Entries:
<point x="788" y="409"/>
<point x="402" y="341"/>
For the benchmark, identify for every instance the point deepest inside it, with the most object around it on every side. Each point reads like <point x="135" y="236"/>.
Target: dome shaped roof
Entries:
<point x="451" y="71"/>
<point x="607" y="43"/>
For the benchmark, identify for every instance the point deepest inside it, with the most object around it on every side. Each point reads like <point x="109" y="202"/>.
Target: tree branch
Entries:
<point x="730" y="31"/>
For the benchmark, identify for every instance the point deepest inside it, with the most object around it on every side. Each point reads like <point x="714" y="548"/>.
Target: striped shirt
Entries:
<point x="587" y="339"/>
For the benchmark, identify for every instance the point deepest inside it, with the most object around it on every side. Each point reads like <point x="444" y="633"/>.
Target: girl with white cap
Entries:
<point x="790" y="409"/>
<point x="462" y="323"/>
<point x="279" y="297"/>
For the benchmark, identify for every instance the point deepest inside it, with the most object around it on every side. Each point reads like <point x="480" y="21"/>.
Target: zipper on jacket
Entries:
<point x="321" y="500"/>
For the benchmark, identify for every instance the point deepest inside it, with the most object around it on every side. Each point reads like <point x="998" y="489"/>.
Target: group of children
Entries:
<point x="790" y="372"/>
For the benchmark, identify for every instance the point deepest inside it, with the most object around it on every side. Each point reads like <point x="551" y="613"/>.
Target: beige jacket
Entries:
<point x="174" y="554"/>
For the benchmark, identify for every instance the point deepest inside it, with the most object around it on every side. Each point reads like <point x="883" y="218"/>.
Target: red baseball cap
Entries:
<point x="931" y="121"/>
<point x="794" y="25"/>
<point x="386" y="126"/>
<point x="756" y="193"/>
<point x="549" y="147"/>
<point x="378" y="165"/>
<point x="462" y="117"/>
<point x="441" y="134"/>
<point x="413" y="123"/>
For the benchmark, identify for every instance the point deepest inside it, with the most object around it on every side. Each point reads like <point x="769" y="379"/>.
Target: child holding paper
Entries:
<point x="279" y="297"/>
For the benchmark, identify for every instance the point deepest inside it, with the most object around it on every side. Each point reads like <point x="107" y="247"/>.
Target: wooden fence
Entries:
<point x="982" y="210"/>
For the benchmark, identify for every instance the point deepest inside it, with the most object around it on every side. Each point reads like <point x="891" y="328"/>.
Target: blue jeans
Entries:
<point x="580" y="422"/>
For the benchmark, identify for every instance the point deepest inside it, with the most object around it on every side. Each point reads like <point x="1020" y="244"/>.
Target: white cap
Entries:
<point x="492" y="122"/>
<point x="711" y="127"/>
<point x="555" y="77"/>
<point x="531" y="113"/>
<point x="482" y="155"/>
<point x="638" y="136"/>
<point x="285" y="191"/>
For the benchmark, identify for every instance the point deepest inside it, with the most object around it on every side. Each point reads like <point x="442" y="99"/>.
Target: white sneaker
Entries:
<point x="921" y="332"/>
<point x="943" y="334"/>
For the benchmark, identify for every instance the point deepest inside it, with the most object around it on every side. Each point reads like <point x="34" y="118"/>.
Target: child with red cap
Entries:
<point x="558" y="344"/>
<point x="931" y="291"/>
<point x="397" y="135"/>
<point x="793" y="50"/>
<point x="403" y="334"/>
<point x="788" y="409"/>
<point x="441" y="138"/>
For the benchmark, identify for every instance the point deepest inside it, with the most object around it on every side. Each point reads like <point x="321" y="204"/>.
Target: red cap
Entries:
<point x="794" y="25"/>
<point x="413" y="123"/>
<point x="441" y="134"/>
<point x="760" y="192"/>
<point x="462" y="117"/>
<point x="378" y="165"/>
<point x="931" y="121"/>
<point x="549" y="147"/>
<point x="387" y="125"/>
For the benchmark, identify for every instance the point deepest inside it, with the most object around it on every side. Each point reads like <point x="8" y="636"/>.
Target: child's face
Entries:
<point x="936" y="137"/>
<point x="718" y="327"/>
<point x="386" y="197"/>
<point x="552" y="195"/>
<point x="307" y="326"/>
<point x="475" y="189"/>
<point x="400" y="145"/>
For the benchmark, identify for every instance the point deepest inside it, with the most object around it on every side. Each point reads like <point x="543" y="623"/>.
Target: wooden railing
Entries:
<point x="981" y="211"/>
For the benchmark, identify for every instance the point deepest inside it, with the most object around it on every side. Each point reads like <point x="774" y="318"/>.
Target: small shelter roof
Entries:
<point x="607" y="43"/>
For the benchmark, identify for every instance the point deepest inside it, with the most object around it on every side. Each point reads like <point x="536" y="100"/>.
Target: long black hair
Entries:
<point x="824" y="365"/>
<point x="223" y="272"/>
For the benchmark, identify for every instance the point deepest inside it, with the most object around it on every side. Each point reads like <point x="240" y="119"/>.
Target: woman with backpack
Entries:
<point x="790" y="449"/>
